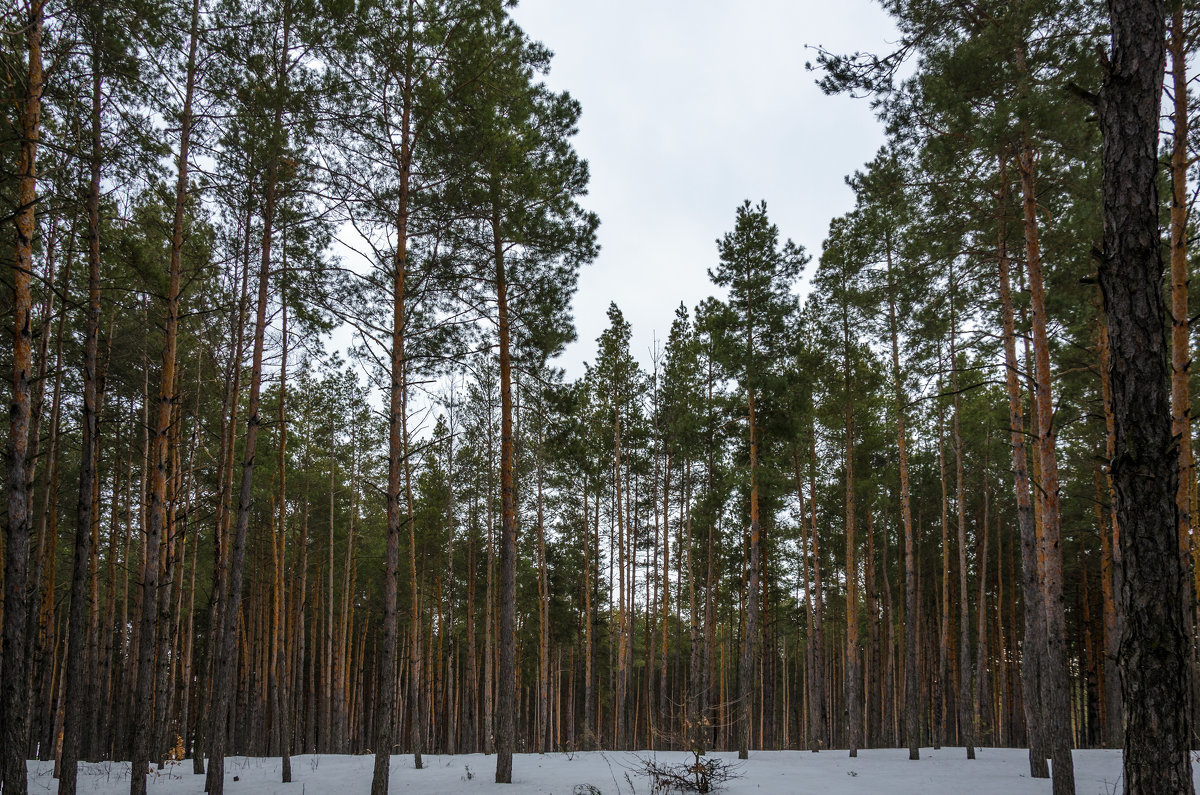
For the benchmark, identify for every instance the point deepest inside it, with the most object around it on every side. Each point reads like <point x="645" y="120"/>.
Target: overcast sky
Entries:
<point x="688" y="109"/>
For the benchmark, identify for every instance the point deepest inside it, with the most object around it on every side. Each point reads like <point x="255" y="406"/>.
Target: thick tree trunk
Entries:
<point x="14" y="693"/>
<point x="1154" y="647"/>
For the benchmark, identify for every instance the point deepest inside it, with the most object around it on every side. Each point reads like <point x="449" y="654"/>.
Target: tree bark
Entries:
<point x="750" y="631"/>
<point x="1111" y="566"/>
<point x="224" y="682"/>
<point x="506" y="687"/>
<point x="1033" y="649"/>
<point x="1056" y="694"/>
<point x="912" y="708"/>
<point x="1154" y="648"/>
<point x="966" y="694"/>
<point x="1181" y="415"/>
<point x="852" y="686"/>
<point x="14" y="694"/>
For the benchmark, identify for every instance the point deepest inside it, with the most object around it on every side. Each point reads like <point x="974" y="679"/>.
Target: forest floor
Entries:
<point x="997" y="770"/>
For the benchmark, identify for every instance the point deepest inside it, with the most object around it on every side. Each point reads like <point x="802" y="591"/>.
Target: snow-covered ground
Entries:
<point x="1003" y="771"/>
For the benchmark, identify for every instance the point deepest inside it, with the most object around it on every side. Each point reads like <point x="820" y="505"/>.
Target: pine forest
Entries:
<point x="294" y="464"/>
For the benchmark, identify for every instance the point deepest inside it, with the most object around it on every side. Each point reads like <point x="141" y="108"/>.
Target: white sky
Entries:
<point x="689" y="108"/>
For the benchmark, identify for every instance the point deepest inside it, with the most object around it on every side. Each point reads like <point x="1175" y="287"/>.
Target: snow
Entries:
<point x="997" y="770"/>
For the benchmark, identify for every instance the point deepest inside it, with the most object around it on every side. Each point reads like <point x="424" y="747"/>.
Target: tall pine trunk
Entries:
<point x="1055" y="685"/>
<point x="14" y="694"/>
<point x="385" y="697"/>
<point x="276" y="673"/>
<point x="912" y="703"/>
<point x="1181" y="415"/>
<point x="506" y="702"/>
<point x="1155" y="647"/>
<point x="224" y="681"/>
<point x="77" y="622"/>
<point x="750" y="633"/>
<point x="966" y="694"/>
<point x="853" y="684"/>
<point x="1033" y="652"/>
<point x="160" y="455"/>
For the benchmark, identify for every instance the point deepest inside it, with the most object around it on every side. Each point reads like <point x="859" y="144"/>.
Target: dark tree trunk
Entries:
<point x="143" y="729"/>
<point x="1181" y="415"/>
<point x="1055" y="692"/>
<point x="750" y="634"/>
<point x="14" y="694"/>
<point x="966" y="693"/>
<point x="1032" y="651"/>
<point x="506" y="701"/>
<point x="1154" y="648"/>
<point x="77" y="621"/>
<point x="227" y="655"/>
<point x="852" y="682"/>
<point x="912" y="725"/>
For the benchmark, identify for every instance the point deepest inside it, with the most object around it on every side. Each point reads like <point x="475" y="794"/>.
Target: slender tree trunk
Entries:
<point x="750" y="630"/>
<point x="167" y="399"/>
<point x="939" y="683"/>
<point x="912" y="703"/>
<point x="1111" y="566"/>
<point x="416" y="657"/>
<point x="85" y="507"/>
<point x="589" y="578"/>
<point x="966" y="693"/>
<point x="385" y="706"/>
<point x="280" y="726"/>
<point x="853" y="684"/>
<point x="543" y="739"/>
<point x="623" y="598"/>
<point x="506" y="707"/>
<point x="225" y="466"/>
<point x="821" y="734"/>
<point x="1154" y="648"/>
<point x="1035" y="627"/>
<point x="981" y="715"/>
<point x="489" y="629"/>
<point x="1181" y="415"/>
<point x="1056" y="694"/>
<point x="224" y="681"/>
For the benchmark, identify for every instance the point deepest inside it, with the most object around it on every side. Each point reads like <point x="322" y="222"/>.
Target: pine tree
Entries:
<point x="1154" y="649"/>
<point x="759" y="273"/>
